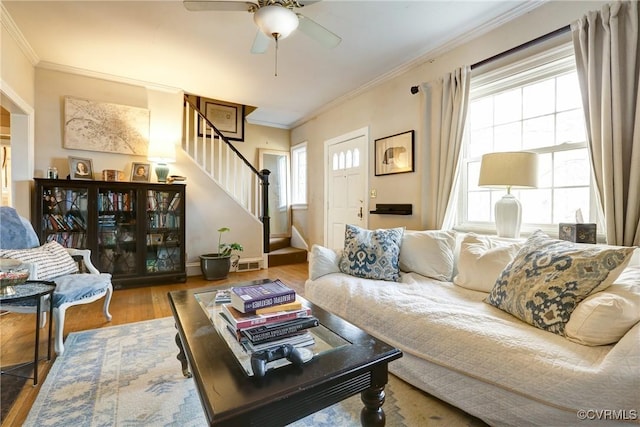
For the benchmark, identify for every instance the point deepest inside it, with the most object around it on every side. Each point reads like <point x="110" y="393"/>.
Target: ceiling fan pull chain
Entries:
<point x="275" y="36"/>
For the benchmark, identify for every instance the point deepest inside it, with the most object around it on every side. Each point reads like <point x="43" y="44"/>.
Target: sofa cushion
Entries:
<point x="548" y="278"/>
<point x="428" y="253"/>
<point x="75" y="287"/>
<point x="481" y="261"/>
<point x="372" y="254"/>
<point x="605" y="317"/>
<point x="323" y="261"/>
<point x="51" y="260"/>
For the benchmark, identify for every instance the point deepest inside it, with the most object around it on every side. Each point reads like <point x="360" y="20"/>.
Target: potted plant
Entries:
<point x="216" y="266"/>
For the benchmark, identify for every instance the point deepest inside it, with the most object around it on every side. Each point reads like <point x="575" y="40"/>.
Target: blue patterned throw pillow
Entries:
<point x="372" y="254"/>
<point x="548" y="278"/>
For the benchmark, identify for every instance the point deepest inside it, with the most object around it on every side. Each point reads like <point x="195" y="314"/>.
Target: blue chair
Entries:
<point x="51" y="261"/>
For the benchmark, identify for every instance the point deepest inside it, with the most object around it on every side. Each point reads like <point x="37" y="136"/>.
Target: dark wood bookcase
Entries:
<point x="136" y="231"/>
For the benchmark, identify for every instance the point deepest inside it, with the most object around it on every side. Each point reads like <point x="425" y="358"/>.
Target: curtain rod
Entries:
<point x="525" y="45"/>
<point x="552" y="34"/>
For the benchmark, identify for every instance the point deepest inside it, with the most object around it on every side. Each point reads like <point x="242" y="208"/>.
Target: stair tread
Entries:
<point x="287" y="256"/>
<point x="276" y="243"/>
<point x="287" y="250"/>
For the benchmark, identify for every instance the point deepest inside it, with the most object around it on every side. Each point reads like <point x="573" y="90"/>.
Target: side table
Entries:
<point x="33" y="289"/>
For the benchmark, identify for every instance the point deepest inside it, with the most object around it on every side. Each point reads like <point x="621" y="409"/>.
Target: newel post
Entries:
<point x="266" y="224"/>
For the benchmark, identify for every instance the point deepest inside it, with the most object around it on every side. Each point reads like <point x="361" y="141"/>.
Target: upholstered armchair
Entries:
<point x="64" y="266"/>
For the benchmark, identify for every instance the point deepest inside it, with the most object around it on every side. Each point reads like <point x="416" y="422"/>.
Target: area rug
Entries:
<point x="128" y="375"/>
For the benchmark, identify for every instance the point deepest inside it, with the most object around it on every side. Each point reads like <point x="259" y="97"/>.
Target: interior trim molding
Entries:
<point x="9" y="24"/>
<point x="46" y="65"/>
<point x="466" y="36"/>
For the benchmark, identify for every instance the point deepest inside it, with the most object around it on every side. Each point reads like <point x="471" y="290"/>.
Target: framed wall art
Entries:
<point x="227" y="117"/>
<point x="80" y="168"/>
<point x="394" y="154"/>
<point x="102" y="126"/>
<point x="140" y="172"/>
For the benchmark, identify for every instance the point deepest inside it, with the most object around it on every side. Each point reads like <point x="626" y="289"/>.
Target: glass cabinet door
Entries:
<point x="117" y="231"/>
<point x="64" y="216"/>
<point x="164" y="235"/>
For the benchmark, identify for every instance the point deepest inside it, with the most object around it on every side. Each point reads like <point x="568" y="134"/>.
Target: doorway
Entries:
<point x="20" y="143"/>
<point x="277" y="162"/>
<point x="346" y="177"/>
<point x="5" y="157"/>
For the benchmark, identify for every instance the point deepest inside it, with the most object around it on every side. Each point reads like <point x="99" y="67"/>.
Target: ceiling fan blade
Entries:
<point x="231" y="6"/>
<point x="317" y="32"/>
<point x="260" y="43"/>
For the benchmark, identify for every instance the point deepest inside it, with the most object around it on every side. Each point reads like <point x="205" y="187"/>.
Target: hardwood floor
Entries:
<point x="127" y="306"/>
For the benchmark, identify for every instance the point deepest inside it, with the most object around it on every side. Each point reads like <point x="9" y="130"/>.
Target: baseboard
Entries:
<point x="244" y="264"/>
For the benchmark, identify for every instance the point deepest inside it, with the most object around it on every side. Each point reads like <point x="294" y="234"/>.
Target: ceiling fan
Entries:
<point x="276" y="19"/>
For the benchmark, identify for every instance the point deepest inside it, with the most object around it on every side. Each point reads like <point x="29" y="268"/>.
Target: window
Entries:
<point x="533" y="105"/>
<point x="299" y="174"/>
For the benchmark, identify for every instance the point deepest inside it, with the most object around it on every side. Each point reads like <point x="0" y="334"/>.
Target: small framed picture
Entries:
<point x="80" y="168"/>
<point x="394" y="154"/>
<point x="140" y="172"/>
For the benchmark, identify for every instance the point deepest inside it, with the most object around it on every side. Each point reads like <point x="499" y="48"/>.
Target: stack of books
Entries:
<point x="266" y="315"/>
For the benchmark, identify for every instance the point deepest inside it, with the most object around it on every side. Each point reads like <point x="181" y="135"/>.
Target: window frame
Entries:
<point x="551" y="63"/>
<point x="297" y="201"/>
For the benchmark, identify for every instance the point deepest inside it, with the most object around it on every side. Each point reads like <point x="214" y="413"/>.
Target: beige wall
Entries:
<point x="208" y="207"/>
<point x="18" y="97"/>
<point x="389" y="108"/>
<point x="15" y="68"/>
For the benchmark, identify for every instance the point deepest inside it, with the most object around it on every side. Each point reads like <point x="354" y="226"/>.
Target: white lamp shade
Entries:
<point x="509" y="169"/>
<point x="276" y="21"/>
<point x="162" y="153"/>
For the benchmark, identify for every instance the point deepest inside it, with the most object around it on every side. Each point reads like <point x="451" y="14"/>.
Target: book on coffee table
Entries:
<point x="248" y="320"/>
<point x="251" y="298"/>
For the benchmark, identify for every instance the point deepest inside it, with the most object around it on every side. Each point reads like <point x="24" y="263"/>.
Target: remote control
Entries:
<point x="259" y="359"/>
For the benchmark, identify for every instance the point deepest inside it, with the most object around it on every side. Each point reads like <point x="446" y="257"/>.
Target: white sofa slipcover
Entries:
<point x="479" y="358"/>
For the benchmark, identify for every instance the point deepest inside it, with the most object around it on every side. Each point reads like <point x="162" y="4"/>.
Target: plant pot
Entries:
<point x="214" y="267"/>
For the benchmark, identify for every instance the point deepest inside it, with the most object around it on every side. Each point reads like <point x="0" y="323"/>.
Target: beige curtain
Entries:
<point x="447" y="100"/>
<point x="607" y="58"/>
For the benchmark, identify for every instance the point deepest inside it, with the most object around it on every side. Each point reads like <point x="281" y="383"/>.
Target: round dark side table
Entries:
<point x="32" y="289"/>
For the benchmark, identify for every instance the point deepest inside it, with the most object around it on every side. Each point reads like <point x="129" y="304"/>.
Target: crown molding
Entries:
<point x="466" y="36"/>
<point x="9" y="24"/>
<point x="106" y="76"/>
<point x="266" y="123"/>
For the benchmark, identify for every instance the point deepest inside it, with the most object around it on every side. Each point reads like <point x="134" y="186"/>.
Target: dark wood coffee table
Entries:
<point x="231" y="398"/>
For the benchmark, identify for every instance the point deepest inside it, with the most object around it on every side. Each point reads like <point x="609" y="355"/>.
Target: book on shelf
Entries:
<point x="273" y="331"/>
<point x="251" y="298"/>
<point x="240" y="320"/>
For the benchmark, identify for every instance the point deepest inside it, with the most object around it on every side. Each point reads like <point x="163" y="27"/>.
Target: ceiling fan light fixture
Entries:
<point x="276" y="21"/>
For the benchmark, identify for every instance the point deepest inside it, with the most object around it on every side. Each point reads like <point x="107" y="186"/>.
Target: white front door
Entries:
<point x="346" y="177"/>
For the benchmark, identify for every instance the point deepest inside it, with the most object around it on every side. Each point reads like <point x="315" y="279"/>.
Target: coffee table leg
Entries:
<point x="372" y="413"/>
<point x="182" y="357"/>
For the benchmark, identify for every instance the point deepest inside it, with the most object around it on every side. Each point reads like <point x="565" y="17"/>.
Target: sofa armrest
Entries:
<point x="33" y="270"/>
<point x="85" y="255"/>
<point x="323" y="261"/>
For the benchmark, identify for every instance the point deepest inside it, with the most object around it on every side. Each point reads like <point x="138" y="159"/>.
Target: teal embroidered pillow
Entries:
<point x="548" y="278"/>
<point x="372" y="254"/>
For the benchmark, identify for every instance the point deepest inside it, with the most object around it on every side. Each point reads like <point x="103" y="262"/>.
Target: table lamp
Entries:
<point x="161" y="155"/>
<point x="509" y="169"/>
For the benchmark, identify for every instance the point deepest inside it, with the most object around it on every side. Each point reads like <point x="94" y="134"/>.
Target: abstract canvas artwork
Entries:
<point x="102" y="126"/>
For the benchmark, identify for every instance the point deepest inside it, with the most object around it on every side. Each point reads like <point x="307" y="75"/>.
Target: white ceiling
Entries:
<point x="208" y="53"/>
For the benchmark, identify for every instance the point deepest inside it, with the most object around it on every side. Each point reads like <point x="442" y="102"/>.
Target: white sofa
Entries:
<point x="475" y="356"/>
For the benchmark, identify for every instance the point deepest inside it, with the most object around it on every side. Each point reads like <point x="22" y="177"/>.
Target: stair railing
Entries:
<point x="218" y="158"/>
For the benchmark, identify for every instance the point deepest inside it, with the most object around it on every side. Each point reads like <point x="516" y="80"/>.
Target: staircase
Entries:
<point x="281" y="252"/>
<point x="212" y="152"/>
